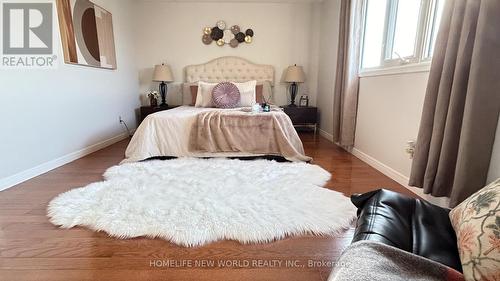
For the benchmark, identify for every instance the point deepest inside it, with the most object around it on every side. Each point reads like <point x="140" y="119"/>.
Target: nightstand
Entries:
<point x="306" y="116"/>
<point x="146" y="110"/>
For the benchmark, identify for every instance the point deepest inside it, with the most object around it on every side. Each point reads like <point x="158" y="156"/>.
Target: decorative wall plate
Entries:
<point x="235" y="29"/>
<point x="240" y="37"/>
<point x="217" y="33"/>
<point x="207" y="40"/>
<point x="228" y="35"/>
<point x="221" y="24"/>
<point x="234" y="43"/>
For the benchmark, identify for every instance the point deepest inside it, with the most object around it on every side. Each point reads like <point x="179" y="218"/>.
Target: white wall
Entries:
<point x="329" y="28"/>
<point x="171" y="32"/>
<point x="389" y="111"/>
<point x="47" y="114"/>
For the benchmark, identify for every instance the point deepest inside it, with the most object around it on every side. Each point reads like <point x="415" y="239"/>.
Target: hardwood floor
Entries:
<point x="33" y="249"/>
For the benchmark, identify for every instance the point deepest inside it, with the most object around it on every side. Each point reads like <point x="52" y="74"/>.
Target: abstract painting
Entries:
<point x="86" y="34"/>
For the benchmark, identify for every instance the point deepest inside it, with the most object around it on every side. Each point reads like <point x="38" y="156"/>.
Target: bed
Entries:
<point x="185" y="132"/>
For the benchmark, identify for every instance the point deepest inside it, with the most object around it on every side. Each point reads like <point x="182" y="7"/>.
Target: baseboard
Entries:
<point x="326" y="135"/>
<point x="381" y="167"/>
<point x="398" y="177"/>
<point x="23" y="176"/>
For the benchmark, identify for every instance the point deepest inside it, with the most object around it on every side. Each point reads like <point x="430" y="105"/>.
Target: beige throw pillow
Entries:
<point x="204" y="96"/>
<point x="477" y="224"/>
<point x="247" y="93"/>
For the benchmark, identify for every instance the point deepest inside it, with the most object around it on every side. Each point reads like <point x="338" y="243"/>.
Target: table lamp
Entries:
<point x="163" y="74"/>
<point x="294" y="75"/>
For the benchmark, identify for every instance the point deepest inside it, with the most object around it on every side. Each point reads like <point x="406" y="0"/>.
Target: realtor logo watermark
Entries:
<point x="27" y="35"/>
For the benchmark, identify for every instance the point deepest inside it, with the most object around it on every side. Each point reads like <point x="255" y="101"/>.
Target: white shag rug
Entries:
<point x="192" y="202"/>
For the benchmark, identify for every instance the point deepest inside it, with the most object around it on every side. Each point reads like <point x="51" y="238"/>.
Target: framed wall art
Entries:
<point x="86" y="34"/>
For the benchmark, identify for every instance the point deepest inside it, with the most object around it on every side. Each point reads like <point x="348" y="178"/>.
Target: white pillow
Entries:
<point x="267" y="91"/>
<point x="204" y="95"/>
<point x="247" y="92"/>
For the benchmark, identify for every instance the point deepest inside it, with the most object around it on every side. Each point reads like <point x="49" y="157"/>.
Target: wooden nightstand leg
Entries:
<point x="315" y="129"/>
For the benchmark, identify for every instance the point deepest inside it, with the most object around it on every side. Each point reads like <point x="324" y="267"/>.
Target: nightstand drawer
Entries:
<point x="302" y="115"/>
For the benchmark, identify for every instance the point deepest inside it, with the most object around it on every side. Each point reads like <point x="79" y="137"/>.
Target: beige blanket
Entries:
<point x="270" y="133"/>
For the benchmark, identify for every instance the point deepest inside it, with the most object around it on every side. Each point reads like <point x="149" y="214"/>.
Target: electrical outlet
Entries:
<point x="124" y="125"/>
<point x="410" y="148"/>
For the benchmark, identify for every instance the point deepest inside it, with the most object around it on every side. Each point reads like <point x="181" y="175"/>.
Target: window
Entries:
<point x="399" y="32"/>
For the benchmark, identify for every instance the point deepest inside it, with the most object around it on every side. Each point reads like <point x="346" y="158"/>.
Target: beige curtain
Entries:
<point x="462" y="102"/>
<point x="347" y="81"/>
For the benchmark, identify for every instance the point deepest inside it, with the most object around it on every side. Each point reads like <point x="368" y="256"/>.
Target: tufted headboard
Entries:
<point x="228" y="69"/>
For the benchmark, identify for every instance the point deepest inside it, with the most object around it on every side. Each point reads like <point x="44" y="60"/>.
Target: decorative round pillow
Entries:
<point x="226" y="95"/>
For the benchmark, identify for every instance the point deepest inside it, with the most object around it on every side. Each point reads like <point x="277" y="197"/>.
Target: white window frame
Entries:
<point x="431" y="28"/>
<point x="420" y="60"/>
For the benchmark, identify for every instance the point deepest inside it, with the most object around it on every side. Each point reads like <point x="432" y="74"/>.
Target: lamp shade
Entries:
<point x="163" y="73"/>
<point x="296" y="74"/>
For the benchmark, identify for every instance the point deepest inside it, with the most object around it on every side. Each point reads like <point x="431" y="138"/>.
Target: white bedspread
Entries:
<point x="167" y="133"/>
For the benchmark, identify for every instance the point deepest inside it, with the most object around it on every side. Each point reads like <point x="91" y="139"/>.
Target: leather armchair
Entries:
<point x="410" y="224"/>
